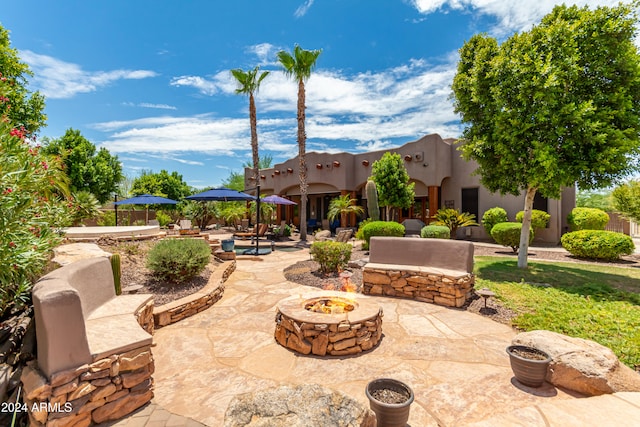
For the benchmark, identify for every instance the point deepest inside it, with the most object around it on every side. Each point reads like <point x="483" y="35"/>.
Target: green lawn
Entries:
<point x="596" y="302"/>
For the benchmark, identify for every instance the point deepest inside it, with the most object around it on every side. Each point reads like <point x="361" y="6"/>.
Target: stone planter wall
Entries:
<point x="195" y="303"/>
<point x="104" y="390"/>
<point x="433" y="287"/>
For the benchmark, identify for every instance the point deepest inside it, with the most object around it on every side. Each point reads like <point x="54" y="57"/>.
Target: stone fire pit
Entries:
<point x="328" y="323"/>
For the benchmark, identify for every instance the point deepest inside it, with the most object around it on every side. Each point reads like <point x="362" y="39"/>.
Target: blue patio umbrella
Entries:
<point x="277" y="200"/>
<point x="145" y="199"/>
<point x="221" y="195"/>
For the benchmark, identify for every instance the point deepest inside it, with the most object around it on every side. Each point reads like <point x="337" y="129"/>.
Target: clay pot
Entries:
<point x="390" y="414"/>
<point x="528" y="371"/>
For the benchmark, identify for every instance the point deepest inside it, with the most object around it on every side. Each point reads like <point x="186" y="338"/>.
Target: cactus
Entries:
<point x="372" y="201"/>
<point x="115" y="267"/>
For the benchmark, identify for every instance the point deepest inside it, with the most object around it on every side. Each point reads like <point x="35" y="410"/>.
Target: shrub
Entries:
<point x="453" y="219"/>
<point x="587" y="219"/>
<point x="435" y="232"/>
<point x="178" y="260"/>
<point x="107" y="218"/>
<point x="539" y="219"/>
<point x="492" y="217"/>
<point x="163" y="218"/>
<point x="381" y="228"/>
<point x="508" y="234"/>
<point x="331" y="256"/>
<point x="359" y="234"/>
<point x="598" y="244"/>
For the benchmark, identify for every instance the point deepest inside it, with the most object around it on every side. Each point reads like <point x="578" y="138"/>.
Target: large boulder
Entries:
<point x="306" y="405"/>
<point x="581" y="365"/>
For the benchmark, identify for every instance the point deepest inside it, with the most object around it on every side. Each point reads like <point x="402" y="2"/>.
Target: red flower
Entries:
<point x="12" y="244"/>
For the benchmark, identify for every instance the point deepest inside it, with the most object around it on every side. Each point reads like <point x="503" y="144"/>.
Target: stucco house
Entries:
<point x="441" y="176"/>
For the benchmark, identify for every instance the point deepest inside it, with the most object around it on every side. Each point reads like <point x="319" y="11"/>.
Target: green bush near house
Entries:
<point x="587" y="219"/>
<point x="178" y="260"/>
<point x="539" y="219"/>
<point x="331" y="256"/>
<point x="508" y="234"/>
<point x="597" y="244"/>
<point x="163" y="218"/>
<point x="492" y="217"/>
<point x="381" y="228"/>
<point x="435" y="232"/>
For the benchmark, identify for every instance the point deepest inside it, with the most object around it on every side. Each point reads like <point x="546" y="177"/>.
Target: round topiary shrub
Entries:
<point x="492" y="217"/>
<point x="508" y="234"/>
<point x="435" y="232"/>
<point x="381" y="228"/>
<point x="178" y="260"/>
<point x="597" y="244"/>
<point x="587" y="219"/>
<point x="332" y="256"/>
<point x="539" y="219"/>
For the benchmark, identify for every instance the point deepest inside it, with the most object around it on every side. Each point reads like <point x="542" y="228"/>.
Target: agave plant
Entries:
<point x="453" y="219"/>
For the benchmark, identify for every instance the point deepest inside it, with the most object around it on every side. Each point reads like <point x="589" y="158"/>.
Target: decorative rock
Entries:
<point x="66" y="254"/>
<point x="35" y="385"/>
<point x="134" y="360"/>
<point x="308" y="405"/>
<point x="581" y="365"/>
<point x="79" y="420"/>
<point x="64" y="377"/>
<point x="119" y="408"/>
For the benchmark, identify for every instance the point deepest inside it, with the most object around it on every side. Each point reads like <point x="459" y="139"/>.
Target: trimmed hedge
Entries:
<point x="331" y="256"/>
<point x="492" y="217"/>
<point x="508" y="234"/>
<point x="597" y="244"/>
<point x="539" y="219"/>
<point x="178" y="260"/>
<point x="435" y="232"/>
<point x="381" y="228"/>
<point x="587" y="219"/>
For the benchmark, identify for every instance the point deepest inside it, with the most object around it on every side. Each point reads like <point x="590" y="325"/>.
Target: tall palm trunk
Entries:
<point x="254" y="138"/>
<point x="302" y="143"/>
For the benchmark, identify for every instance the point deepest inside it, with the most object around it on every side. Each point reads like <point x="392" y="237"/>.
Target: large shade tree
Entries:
<point x="89" y="169"/>
<point x="299" y="65"/>
<point x="248" y="84"/>
<point x="553" y="106"/>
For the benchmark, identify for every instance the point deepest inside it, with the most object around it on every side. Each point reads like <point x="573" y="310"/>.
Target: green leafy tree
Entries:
<point x="342" y="206"/>
<point x="392" y="182"/>
<point x="163" y="184"/>
<point x="248" y="84"/>
<point x="95" y="171"/>
<point x="32" y="185"/>
<point x="598" y="199"/>
<point x="626" y="200"/>
<point x="553" y="106"/>
<point x="17" y="104"/>
<point x="299" y="66"/>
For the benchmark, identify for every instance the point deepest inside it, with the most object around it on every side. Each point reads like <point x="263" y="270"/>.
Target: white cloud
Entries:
<point x="222" y="82"/>
<point x="150" y="105"/>
<point x="266" y="53"/>
<point x="59" y="79"/>
<point x="511" y="15"/>
<point x="303" y="9"/>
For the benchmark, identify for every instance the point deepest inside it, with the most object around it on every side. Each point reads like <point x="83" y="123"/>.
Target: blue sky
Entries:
<point x="149" y="79"/>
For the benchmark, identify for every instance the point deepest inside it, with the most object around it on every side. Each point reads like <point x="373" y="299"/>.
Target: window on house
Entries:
<point x="540" y="203"/>
<point x="470" y="201"/>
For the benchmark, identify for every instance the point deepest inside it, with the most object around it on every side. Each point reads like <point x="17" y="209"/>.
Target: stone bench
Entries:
<point x="438" y="271"/>
<point x="94" y="348"/>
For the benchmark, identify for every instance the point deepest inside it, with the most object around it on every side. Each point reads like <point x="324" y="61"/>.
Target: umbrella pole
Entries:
<point x="258" y="220"/>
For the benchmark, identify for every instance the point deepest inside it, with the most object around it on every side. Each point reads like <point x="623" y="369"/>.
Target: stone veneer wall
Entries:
<point x="436" y="288"/>
<point x="195" y="303"/>
<point x="337" y="339"/>
<point x="104" y="390"/>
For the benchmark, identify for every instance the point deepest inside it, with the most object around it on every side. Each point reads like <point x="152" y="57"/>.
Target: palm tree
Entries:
<point x="249" y="83"/>
<point x="343" y="206"/>
<point x="299" y="66"/>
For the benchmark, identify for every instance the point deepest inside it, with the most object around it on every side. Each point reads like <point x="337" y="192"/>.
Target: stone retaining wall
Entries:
<point x="104" y="390"/>
<point x="433" y="287"/>
<point x="197" y="302"/>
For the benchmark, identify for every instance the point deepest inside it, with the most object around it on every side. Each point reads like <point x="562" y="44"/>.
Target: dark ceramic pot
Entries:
<point x="227" y="245"/>
<point x="390" y="414"/>
<point x="530" y="372"/>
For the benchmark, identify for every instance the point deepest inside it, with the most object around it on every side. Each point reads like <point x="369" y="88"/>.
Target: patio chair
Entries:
<point x="261" y="231"/>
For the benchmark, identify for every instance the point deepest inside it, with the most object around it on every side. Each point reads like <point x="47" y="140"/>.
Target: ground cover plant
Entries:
<point x="595" y="302"/>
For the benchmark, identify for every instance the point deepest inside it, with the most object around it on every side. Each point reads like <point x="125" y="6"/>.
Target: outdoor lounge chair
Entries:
<point x="261" y="231"/>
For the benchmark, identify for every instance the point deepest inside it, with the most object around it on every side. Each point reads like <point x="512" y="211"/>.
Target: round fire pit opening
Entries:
<point x="328" y="323"/>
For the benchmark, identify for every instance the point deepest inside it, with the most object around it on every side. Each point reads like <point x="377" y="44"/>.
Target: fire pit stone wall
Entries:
<point x="324" y="334"/>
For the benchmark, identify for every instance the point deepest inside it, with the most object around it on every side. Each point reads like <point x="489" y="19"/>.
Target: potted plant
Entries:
<point x="227" y="245"/>
<point x="529" y="365"/>
<point x="390" y="400"/>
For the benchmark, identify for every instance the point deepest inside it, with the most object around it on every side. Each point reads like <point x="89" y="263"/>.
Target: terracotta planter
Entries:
<point x="390" y="414"/>
<point x="530" y="372"/>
